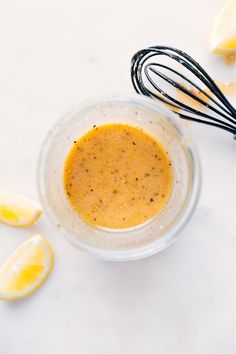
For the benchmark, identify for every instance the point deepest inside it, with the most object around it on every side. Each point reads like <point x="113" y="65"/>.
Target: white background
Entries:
<point x="54" y="53"/>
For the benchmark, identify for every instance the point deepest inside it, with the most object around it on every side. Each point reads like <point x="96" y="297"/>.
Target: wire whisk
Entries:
<point x="200" y="100"/>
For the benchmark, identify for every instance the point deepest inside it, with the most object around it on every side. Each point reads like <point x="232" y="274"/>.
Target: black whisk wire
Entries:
<point x="182" y="105"/>
<point x="141" y="69"/>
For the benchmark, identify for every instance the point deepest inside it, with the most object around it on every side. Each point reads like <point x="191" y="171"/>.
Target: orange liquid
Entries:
<point x="230" y="59"/>
<point x="228" y="89"/>
<point x="117" y="176"/>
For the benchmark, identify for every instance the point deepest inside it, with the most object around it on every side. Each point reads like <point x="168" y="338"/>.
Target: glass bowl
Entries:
<point x="120" y="244"/>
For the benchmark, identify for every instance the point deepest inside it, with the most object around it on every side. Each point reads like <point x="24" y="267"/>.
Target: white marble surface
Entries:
<point x="55" y="53"/>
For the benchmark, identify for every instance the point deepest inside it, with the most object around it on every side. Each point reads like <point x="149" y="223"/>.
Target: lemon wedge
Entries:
<point x="223" y="32"/>
<point x="18" y="210"/>
<point x="26" y="269"/>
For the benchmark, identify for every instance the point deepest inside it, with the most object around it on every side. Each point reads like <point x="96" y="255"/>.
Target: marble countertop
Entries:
<point x="55" y="53"/>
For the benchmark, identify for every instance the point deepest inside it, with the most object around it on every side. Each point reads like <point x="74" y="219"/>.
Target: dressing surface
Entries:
<point x="117" y="176"/>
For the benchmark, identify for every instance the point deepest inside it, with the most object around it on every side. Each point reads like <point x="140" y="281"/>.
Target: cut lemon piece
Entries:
<point x="18" y="210"/>
<point x="26" y="269"/>
<point x="223" y="32"/>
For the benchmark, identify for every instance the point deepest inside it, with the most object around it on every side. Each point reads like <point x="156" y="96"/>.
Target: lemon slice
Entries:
<point x="223" y="33"/>
<point x="26" y="269"/>
<point x="18" y="210"/>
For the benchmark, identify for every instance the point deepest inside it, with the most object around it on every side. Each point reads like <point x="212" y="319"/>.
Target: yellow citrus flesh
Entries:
<point x="26" y="269"/>
<point x="17" y="210"/>
<point x="223" y="32"/>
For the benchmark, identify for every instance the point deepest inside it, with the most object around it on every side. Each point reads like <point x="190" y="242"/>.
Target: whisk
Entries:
<point x="208" y="104"/>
